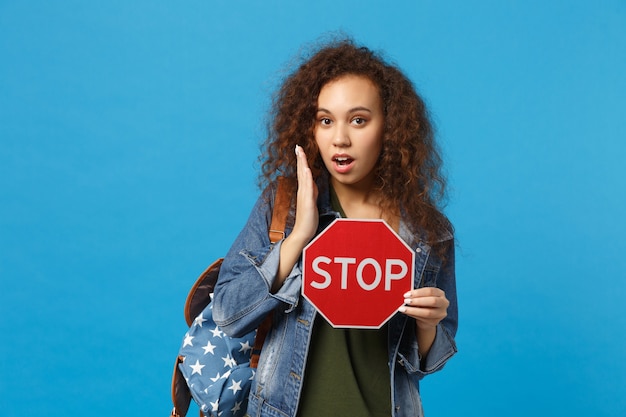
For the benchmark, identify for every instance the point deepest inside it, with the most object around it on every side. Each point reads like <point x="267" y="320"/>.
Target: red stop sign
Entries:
<point x="356" y="273"/>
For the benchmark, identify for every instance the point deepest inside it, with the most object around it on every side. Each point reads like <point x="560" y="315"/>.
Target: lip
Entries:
<point x="342" y="163"/>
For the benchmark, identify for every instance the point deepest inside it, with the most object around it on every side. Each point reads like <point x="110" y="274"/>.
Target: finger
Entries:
<point x="305" y="176"/>
<point x="299" y="163"/>
<point x="302" y="162"/>
<point x="427" y="315"/>
<point x="428" y="302"/>
<point x="425" y="292"/>
<point x="303" y="172"/>
<point x="431" y="302"/>
<point x="426" y="297"/>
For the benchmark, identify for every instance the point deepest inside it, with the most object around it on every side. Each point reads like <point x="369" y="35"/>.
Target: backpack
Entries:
<point x="212" y="368"/>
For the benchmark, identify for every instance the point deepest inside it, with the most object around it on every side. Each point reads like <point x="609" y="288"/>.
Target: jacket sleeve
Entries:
<point x="242" y="297"/>
<point x="444" y="346"/>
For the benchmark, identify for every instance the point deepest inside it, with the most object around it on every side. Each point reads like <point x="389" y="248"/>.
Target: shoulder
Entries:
<point x="441" y="229"/>
<point x="445" y="231"/>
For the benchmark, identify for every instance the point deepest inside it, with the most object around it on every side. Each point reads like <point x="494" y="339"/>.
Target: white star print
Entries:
<point x="209" y="348"/>
<point x="237" y="407"/>
<point x="188" y="340"/>
<point x="236" y="386"/>
<point x="215" y="404"/>
<point x="217" y="332"/>
<point x="197" y="368"/>
<point x="199" y="320"/>
<point x="228" y="361"/>
<point x="245" y="347"/>
<point x="199" y="339"/>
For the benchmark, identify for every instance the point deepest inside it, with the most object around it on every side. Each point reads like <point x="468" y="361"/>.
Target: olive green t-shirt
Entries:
<point x="347" y="372"/>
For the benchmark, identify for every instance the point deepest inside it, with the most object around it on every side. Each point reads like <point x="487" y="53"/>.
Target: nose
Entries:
<point x="341" y="136"/>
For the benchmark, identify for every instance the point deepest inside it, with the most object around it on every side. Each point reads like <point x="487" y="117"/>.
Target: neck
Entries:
<point x="358" y="200"/>
<point x="363" y="203"/>
<point x="362" y="193"/>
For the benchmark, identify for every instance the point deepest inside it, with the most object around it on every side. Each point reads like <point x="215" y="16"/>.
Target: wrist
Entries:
<point x="297" y="240"/>
<point x="425" y="327"/>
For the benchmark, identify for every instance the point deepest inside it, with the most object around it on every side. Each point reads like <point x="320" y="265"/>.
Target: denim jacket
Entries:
<point x="243" y="299"/>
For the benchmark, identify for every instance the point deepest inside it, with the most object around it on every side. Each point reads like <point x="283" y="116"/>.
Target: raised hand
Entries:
<point x="306" y="208"/>
<point x="306" y="220"/>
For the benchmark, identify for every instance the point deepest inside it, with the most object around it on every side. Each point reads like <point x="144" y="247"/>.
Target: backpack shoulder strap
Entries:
<point x="282" y="203"/>
<point x="200" y="293"/>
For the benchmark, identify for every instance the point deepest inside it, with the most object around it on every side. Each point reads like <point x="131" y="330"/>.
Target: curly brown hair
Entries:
<point x="408" y="173"/>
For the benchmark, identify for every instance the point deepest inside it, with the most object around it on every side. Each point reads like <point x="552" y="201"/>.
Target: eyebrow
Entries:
<point x="352" y="110"/>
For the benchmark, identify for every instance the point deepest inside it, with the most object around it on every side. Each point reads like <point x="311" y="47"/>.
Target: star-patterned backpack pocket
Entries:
<point x="216" y="367"/>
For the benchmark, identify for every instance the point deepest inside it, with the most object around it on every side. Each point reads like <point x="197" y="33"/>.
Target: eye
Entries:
<point x="325" y="121"/>
<point x="359" y="121"/>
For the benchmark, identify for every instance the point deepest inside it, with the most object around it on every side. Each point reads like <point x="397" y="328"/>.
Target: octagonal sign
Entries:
<point x="356" y="273"/>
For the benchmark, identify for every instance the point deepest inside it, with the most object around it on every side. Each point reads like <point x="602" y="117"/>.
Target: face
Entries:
<point x="349" y="129"/>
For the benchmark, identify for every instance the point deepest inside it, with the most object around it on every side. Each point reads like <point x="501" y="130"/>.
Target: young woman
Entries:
<point x="352" y="139"/>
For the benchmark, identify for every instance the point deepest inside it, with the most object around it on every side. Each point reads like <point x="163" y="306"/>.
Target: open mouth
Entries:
<point x="342" y="160"/>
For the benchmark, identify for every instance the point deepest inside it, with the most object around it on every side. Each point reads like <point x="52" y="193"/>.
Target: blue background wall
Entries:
<point x="129" y="134"/>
